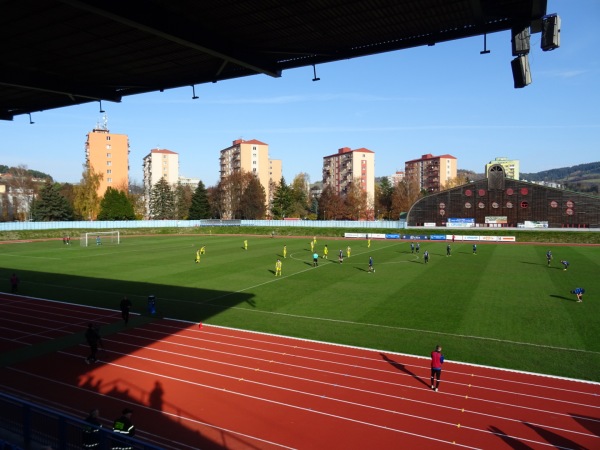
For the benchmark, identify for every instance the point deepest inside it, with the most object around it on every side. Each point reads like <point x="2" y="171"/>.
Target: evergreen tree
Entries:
<point x="200" y="208"/>
<point x="162" y="201"/>
<point x="115" y="205"/>
<point x="50" y="206"/>
<point x="253" y="200"/>
<point x="282" y="205"/>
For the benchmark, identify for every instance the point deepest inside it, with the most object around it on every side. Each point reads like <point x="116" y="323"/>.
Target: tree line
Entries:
<point x="237" y="196"/>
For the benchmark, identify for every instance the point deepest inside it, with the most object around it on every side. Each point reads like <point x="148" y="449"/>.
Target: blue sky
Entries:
<point x="445" y="99"/>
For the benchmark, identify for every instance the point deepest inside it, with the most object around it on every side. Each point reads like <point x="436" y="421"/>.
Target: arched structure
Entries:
<point x="507" y="202"/>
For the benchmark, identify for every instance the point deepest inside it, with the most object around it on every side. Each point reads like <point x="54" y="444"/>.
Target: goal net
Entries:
<point x="100" y="238"/>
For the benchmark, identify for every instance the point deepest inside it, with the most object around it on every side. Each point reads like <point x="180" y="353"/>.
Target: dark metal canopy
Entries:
<point x="58" y="53"/>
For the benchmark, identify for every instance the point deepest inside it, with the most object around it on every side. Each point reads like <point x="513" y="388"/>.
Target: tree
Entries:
<point x="253" y="200"/>
<point x="115" y="205"/>
<point x="300" y="195"/>
<point x="200" y="207"/>
<point x="458" y="180"/>
<point x="162" y="201"/>
<point x="135" y="195"/>
<point x="183" y="201"/>
<point x="50" y="206"/>
<point x="282" y="201"/>
<point x="22" y="190"/>
<point x="383" y="196"/>
<point x="331" y="205"/>
<point x="216" y="200"/>
<point x="87" y="201"/>
<point x="355" y="202"/>
<point x="406" y="192"/>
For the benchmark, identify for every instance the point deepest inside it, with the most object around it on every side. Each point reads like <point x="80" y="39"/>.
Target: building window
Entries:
<point x="109" y="180"/>
<point x="107" y="146"/>
<point x="109" y="171"/>
<point x="109" y="155"/>
<point x="108" y="138"/>
<point x="254" y="170"/>
<point x="109" y="163"/>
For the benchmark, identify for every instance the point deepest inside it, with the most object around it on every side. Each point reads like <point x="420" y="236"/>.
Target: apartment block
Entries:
<point x="158" y="164"/>
<point x="510" y="166"/>
<point x="431" y="173"/>
<point x="348" y="166"/>
<point x="108" y="154"/>
<point x="251" y="156"/>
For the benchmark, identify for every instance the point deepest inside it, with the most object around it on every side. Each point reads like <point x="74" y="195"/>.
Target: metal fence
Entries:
<point x="124" y="224"/>
<point x="27" y="426"/>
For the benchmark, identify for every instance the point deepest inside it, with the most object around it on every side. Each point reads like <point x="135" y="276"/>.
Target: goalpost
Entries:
<point x="100" y="238"/>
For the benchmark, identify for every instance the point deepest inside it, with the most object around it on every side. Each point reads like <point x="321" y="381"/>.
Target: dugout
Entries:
<point x="519" y="201"/>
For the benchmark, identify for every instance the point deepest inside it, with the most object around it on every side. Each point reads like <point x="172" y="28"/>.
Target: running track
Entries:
<point x="220" y="388"/>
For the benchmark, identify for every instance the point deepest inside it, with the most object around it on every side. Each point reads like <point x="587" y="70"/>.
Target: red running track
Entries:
<point x="216" y="388"/>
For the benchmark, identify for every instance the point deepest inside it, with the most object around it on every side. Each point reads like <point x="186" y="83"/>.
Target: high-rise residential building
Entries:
<point x="108" y="154"/>
<point x="158" y="164"/>
<point x="252" y="156"/>
<point x="395" y="178"/>
<point x="510" y="166"/>
<point x="432" y="173"/>
<point x="349" y="166"/>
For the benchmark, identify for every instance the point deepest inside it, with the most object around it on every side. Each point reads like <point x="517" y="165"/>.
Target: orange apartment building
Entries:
<point x="346" y="166"/>
<point x="252" y="156"/>
<point x="108" y="154"/>
<point x="431" y="172"/>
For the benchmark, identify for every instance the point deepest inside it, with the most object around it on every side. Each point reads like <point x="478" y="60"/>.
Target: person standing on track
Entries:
<point x="437" y="359"/>
<point x="14" y="283"/>
<point x="94" y="340"/>
<point x="125" y="308"/>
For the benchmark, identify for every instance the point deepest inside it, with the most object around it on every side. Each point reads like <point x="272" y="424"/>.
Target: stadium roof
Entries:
<point x="57" y="53"/>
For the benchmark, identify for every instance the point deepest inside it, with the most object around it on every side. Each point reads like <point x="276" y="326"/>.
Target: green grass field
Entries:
<point x="503" y="307"/>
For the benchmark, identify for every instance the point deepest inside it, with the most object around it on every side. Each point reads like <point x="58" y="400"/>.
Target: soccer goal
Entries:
<point x="100" y="238"/>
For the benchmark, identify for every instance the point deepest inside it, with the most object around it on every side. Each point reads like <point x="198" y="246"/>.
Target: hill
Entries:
<point x="580" y="178"/>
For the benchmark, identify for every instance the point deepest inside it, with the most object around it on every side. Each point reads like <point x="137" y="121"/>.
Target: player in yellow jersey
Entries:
<point x="348" y="250"/>
<point x="197" y="256"/>
<point x="245" y="244"/>
<point x="203" y="250"/>
<point x="278" y="268"/>
<point x="312" y="246"/>
<point x="325" y="252"/>
<point x="285" y="251"/>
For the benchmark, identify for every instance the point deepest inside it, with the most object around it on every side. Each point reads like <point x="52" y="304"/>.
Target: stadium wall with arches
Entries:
<point x="516" y="202"/>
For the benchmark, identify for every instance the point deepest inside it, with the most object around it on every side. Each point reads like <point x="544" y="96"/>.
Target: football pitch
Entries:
<point x="503" y="306"/>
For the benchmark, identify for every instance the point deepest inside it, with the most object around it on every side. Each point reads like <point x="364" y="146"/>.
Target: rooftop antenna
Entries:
<point x="105" y="122"/>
